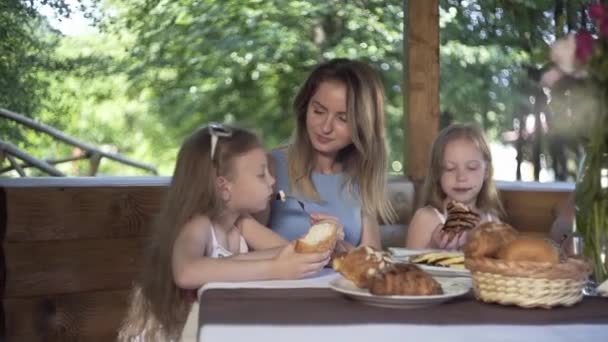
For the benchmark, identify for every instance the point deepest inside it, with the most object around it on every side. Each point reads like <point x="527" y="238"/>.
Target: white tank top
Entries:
<point x="219" y="251"/>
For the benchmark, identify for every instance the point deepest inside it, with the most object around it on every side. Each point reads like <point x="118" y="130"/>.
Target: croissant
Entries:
<point x="459" y="219"/>
<point x="403" y="279"/>
<point x="359" y="262"/>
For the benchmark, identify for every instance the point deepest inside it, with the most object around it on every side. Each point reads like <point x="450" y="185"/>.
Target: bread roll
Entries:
<point x="530" y="249"/>
<point x="487" y="239"/>
<point x="321" y="237"/>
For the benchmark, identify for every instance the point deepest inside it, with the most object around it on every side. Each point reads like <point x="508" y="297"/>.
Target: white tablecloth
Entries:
<point x="321" y="280"/>
<point x="387" y="332"/>
<point x="408" y="333"/>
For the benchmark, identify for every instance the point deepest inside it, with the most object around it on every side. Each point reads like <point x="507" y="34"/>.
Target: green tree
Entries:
<point x="165" y="67"/>
<point x="242" y="61"/>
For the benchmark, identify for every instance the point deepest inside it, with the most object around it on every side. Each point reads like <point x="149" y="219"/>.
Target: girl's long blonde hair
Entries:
<point x="365" y="160"/>
<point x="432" y="193"/>
<point x="158" y="307"/>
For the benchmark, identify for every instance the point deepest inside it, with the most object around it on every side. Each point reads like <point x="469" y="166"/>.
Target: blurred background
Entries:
<point x="135" y="77"/>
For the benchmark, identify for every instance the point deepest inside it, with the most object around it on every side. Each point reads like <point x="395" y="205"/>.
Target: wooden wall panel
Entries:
<point x="401" y="195"/>
<point x="55" y="267"/>
<point x="532" y="211"/>
<point x="3" y="221"/>
<point x="45" y="214"/>
<point x="56" y="213"/>
<point x="91" y="316"/>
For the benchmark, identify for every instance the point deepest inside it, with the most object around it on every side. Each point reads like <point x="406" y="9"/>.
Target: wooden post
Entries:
<point x="421" y="93"/>
<point x="94" y="164"/>
<point x="16" y="165"/>
<point x="3" y="221"/>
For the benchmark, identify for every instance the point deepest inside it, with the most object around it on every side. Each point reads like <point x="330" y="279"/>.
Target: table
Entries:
<point x="313" y="312"/>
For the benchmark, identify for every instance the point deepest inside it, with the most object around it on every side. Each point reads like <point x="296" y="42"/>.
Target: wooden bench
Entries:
<point x="71" y="247"/>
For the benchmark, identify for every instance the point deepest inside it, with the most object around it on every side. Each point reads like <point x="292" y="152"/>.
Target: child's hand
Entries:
<point x="292" y="265"/>
<point x="320" y="217"/>
<point x="441" y="239"/>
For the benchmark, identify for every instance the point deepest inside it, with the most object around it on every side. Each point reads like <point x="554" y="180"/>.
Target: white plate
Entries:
<point x="439" y="271"/>
<point x="452" y="287"/>
<point x="404" y="255"/>
<point x="400" y="252"/>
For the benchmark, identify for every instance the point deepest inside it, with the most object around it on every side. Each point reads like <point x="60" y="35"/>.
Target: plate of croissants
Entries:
<point x="370" y="276"/>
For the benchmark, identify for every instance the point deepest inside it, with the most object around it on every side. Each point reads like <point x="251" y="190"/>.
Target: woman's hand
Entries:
<point x="443" y="240"/>
<point x="292" y="265"/>
<point x="320" y="217"/>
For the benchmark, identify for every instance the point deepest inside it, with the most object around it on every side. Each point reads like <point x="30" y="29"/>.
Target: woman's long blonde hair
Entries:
<point x="432" y="193"/>
<point x="159" y="308"/>
<point x="365" y="160"/>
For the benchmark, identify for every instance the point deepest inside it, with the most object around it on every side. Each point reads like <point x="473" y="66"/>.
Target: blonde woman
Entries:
<point x="335" y="167"/>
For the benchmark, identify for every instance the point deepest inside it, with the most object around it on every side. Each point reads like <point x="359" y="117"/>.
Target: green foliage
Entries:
<point x="20" y="55"/>
<point x="243" y="61"/>
<point x="487" y="50"/>
<point x="160" y="68"/>
<point x="236" y="61"/>
<point x="100" y="110"/>
<point x="27" y="44"/>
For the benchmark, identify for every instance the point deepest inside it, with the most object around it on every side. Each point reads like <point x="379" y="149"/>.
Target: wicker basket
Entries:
<point x="528" y="284"/>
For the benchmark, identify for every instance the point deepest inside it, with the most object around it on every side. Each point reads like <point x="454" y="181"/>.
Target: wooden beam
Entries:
<point x="421" y="37"/>
<point x="94" y="164"/>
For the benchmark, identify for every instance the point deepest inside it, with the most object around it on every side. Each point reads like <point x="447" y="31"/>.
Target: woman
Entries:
<point x="335" y="167"/>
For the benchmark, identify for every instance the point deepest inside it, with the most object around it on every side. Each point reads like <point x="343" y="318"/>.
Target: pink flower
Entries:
<point x="550" y="77"/>
<point x="604" y="27"/>
<point x="584" y="46"/>
<point x="597" y="11"/>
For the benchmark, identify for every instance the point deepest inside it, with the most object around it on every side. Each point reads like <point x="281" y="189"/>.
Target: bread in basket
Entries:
<point x="522" y="271"/>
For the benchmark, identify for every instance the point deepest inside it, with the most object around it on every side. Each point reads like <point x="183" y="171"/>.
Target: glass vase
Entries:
<point x="592" y="210"/>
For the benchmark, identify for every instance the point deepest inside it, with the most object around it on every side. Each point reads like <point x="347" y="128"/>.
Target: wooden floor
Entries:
<point x="72" y="247"/>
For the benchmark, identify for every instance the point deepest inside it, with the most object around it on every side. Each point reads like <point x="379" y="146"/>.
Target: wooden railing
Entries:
<point x="89" y="151"/>
<point x="71" y="247"/>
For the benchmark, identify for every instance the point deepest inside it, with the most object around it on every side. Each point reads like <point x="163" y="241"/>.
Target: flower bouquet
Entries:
<point x="578" y="81"/>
